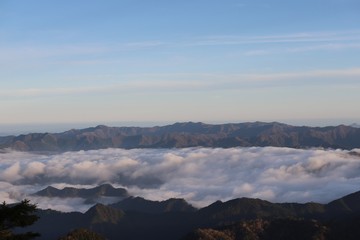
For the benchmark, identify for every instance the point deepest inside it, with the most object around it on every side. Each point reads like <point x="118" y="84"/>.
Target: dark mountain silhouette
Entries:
<point x="280" y="229"/>
<point x="83" y="234"/>
<point x="105" y="190"/>
<point x="349" y="204"/>
<point x="248" y="208"/>
<point x="242" y="218"/>
<point x="139" y="204"/>
<point x="103" y="214"/>
<point x="188" y="134"/>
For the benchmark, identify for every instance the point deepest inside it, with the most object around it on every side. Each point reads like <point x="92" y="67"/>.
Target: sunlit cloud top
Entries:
<point x="200" y="175"/>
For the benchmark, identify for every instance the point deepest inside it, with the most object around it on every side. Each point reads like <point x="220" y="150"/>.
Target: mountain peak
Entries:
<point x="49" y="191"/>
<point x="100" y="213"/>
<point x="101" y="127"/>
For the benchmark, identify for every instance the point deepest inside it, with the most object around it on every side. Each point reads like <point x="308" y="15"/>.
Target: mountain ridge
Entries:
<point x="237" y="216"/>
<point x="139" y="204"/>
<point x="188" y="134"/>
<point x="105" y="190"/>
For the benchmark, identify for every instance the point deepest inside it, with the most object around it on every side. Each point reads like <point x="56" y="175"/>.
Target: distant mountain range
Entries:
<point x="189" y="134"/>
<point x="104" y="190"/>
<point x="243" y="218"/>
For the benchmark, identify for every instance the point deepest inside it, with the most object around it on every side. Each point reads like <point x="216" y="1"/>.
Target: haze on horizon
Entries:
<point x="168" y="61"/>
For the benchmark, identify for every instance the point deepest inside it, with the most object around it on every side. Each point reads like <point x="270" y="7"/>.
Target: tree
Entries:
<point x="83" y="234"/>
<point x="17" y="215"/>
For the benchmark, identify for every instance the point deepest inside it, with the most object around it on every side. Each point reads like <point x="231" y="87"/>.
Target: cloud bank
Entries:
<point x="200" y="175"/>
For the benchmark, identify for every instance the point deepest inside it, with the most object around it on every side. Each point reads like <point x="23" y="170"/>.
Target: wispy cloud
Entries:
<point x="289" y="76"/>
<point x="26" y="52"/>
<point x="300" y="49"/>
<point x="141" y="45"/>
<point x="127" y="87"/>
<point x="309" y="37"/>
<point x="331" y="40"/>
<point x="188" y="82"/>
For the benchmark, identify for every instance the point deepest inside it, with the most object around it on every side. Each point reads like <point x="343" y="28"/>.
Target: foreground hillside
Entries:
<point x="188" y="134"/>
<point x="243" y="218"/>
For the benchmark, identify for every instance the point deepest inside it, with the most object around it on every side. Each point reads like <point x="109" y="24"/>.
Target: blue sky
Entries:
<point x="190" y="60"/>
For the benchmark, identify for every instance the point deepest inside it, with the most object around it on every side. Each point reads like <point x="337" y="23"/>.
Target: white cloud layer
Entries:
<point x="200" y="175"/>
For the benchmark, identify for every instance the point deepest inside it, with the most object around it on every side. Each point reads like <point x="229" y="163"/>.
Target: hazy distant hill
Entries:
<point x="242" y="218"/>
<point x="105" y="190"/>
<point x="188" y="134"/>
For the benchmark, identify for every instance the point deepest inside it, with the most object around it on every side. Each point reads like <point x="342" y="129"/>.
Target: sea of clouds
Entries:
<point x="200" y="175"/>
